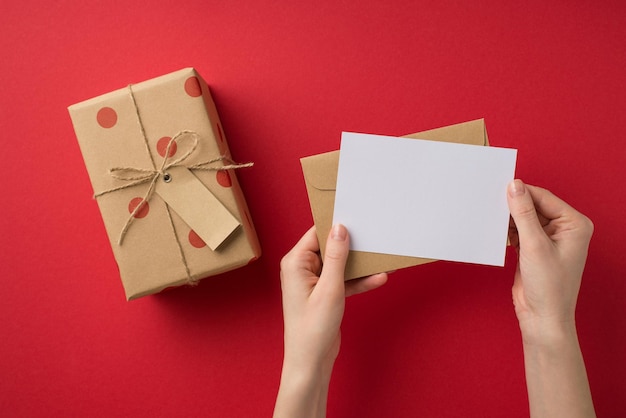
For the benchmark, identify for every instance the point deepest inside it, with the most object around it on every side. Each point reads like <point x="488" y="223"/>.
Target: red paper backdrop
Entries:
<point x="440" y="340"/>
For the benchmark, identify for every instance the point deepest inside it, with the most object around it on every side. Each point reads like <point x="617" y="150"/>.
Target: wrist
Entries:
<point x="547" y="332"/>
<point x="302" y="388"/>
<point x="555" y="371"/>
<point x="299" y="383"/>
<point x="301" y="392"/>
<point x="301" y="372"/>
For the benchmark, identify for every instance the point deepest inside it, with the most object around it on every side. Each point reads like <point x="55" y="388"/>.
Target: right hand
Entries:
<point x="552" y="239"/>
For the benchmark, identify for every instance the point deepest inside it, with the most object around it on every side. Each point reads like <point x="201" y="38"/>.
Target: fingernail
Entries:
<point x="339" y="232"/>
<point x="516" y="188"/>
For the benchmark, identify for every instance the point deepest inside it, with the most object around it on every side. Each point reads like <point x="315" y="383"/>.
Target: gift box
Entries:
<point x="165" y="183"/>
<point x="320" y="174"/>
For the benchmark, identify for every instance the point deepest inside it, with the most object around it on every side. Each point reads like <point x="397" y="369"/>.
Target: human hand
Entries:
<point x="313" y="306"/>
<point x="552" y="240"/>
<point x="314" y="296"/>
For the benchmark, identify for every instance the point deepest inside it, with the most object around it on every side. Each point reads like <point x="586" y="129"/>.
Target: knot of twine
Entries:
<point x="136" y="176"/>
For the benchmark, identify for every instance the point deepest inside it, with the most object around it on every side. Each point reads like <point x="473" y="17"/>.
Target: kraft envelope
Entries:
<point x="424" y="198"/>
<point x="320" y="174"/>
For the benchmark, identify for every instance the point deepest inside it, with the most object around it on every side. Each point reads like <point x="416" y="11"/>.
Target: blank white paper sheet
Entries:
<point x="420" y="198"/>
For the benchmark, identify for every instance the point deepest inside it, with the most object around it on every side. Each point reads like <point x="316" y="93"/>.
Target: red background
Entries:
<point x="439" y="340"/>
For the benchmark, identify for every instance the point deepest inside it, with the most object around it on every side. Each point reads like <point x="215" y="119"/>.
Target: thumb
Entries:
<point x="336" y="255"/>
<point x="524" y="213"/>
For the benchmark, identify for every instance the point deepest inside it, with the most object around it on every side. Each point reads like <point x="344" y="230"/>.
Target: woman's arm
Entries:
<point x="313" y="307"/>
<point x="552" y="241"/>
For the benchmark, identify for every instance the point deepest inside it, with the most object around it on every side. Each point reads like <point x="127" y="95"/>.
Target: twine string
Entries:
<point x="136" y="176"/>
<point x="140" y="123"/>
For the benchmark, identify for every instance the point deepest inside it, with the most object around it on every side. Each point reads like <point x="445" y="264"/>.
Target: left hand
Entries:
<point x="314" y="299"/>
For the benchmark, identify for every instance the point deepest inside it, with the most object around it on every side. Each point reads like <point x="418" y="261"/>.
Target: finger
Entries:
<point x="548" y="205"/>
<point x="365" y="284"/>
<point x="523" y="211"/>
<point x="555" y="209"/>
<point x="513" y="235"/>
<point x="542" y="219"/>
<point x="304" y="255"/>
<point x="334" y="263"/>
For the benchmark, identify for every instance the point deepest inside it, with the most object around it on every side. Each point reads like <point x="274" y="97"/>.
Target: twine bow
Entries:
<point x="136" y="176"/>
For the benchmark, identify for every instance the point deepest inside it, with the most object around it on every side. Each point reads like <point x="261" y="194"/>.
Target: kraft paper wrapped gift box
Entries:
<point x="320" y="174"/>
<point x="162" y="176"/>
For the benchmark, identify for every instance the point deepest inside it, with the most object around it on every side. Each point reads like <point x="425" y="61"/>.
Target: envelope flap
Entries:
<point x="320" y="171"/>
<point x="473" y="133"/>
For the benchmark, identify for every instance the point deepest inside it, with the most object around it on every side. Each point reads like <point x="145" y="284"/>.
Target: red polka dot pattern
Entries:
<point x="195" y="240"/>
<point x="106" y="117"/>
<point x="143" y="210"/>
<point x="162" y="146"/>
<point x="223" y="178"/>
<point x="192" y="87"/>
